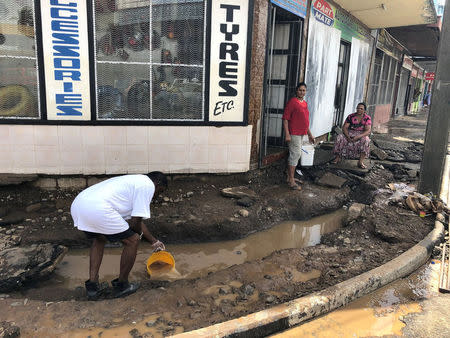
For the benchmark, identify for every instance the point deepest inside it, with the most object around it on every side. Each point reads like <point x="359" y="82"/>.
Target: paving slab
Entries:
<point x="331" y="180"/>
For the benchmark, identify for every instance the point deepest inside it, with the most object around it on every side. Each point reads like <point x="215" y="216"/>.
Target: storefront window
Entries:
<point x="19" y="92"/>
<point x="150" y="59"/>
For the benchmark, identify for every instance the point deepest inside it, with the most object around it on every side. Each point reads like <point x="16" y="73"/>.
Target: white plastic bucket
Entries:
<point x="307" y="158"/>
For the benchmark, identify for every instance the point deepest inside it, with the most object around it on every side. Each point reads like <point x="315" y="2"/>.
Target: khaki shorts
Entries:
<point x="295" y="149"/>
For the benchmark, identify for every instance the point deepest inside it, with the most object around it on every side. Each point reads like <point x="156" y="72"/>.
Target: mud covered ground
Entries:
<point x="193" y="210"/>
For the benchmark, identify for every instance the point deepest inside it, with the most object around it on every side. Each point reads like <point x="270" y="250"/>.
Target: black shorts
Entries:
<point x="113" y="237"/>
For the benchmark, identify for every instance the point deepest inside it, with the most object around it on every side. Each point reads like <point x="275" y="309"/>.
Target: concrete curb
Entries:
<point x="284" y="316"/>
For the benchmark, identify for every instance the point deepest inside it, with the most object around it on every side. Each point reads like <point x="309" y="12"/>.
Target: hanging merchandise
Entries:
<point x="110" y="102"/>
<point x="138" y="99"/>
<point x="136" y="41"/>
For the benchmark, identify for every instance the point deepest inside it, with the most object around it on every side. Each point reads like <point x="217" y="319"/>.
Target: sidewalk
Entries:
<point x="410" y="307"/>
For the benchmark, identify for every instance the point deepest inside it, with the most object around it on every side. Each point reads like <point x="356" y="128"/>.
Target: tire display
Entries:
<point x="16" y="100"/>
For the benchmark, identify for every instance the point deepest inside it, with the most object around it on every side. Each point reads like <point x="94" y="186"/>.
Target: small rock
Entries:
<point x="16" y="304"/>
<point x="179" y="303"/>
<point x="412" y="173"/>
<point x="267" y="276"/>
<point x="195" y="315"/>
<point x="269" y="209"/>
<point x="234" y="220"/>
<point x="191" y="302"/>
<point x="238" y="252"/>
<point x="244" y="213"/>
<point x="192" y="218"/>
<point x="189" y="194"/>
<point x="64" y="218"/>
<point x="245" y="202"/>
<point x="33" y="207"/>
<point x="60" y="210"/>
<point x="134" y="333"/>
<point x="248" y="290"/>
<point x="238" y="192"/>
<point x="166" y="199"/>
<point x="347" y="241"/>
<point x="270" y="299"/>
<point x="223" y="291"/>
<point x="47" y="219"/>
<point x="354" y="211"/>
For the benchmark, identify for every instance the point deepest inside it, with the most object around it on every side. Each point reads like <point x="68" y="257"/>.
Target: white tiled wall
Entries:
<point x="87" y="150"/>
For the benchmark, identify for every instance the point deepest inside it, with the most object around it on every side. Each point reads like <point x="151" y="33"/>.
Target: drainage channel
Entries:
<point x="381" y="313"/>
<point x="197" y="260"/>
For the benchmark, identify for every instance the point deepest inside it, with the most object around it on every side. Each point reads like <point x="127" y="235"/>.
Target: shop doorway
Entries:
<point x="341" y="83"/>
<point x="402" y="92"/>
<point x="282" y="74"/>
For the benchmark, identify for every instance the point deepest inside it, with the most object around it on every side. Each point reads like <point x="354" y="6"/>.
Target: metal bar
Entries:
<point x="444" y="278"/>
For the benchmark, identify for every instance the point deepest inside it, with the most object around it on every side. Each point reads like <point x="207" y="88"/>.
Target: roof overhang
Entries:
<point x="421" y="41"/>
<point x="390" y="13"/>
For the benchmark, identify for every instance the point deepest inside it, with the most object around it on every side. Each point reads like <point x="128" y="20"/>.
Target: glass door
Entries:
<point x="282" y="74"/>
<point x="341" y="83"/>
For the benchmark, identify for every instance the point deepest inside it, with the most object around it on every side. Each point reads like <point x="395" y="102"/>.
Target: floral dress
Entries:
<point x="346" y="149"/>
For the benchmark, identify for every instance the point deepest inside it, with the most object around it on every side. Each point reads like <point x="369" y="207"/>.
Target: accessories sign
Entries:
<point x="66" y="59"/>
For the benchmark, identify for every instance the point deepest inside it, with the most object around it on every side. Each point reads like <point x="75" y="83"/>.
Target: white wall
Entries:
<point x="321" y="73"/>
<point x="123" y="149"/>
<point x="358" y="69"/>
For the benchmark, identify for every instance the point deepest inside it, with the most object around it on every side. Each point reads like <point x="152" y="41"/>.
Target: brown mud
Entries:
<point x="194" y="211"/>
<point x="162" y="307"/>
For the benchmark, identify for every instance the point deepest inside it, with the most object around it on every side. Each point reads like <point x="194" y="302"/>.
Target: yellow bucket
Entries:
<point x="160" y="260"/>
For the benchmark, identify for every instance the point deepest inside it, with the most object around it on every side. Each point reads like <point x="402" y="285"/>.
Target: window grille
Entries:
<point x="19" y="84"/>
<point x="150" y="59"/>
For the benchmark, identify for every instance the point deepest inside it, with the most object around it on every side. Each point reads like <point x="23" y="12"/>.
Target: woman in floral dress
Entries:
<point x="354" y="140"/>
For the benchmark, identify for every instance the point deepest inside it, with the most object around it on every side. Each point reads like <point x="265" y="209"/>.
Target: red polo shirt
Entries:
<point x="297" y="114"/>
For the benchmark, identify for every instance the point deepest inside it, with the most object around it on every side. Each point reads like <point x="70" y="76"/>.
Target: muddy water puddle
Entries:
<point x="197" y="260"/>
<point x="377" y="314"/>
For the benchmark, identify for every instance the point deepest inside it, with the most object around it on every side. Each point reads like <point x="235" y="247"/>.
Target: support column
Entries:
<point x="437" y="132"/>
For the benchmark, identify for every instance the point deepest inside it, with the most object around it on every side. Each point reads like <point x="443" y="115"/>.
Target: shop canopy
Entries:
<point x="390" y="13"/>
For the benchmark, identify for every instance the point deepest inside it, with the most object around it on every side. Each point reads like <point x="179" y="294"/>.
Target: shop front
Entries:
<point x="121" y="86"/>
<point x="384" y="84"/>
<point x="403" y="87"/>
<point x="337" y="65"/>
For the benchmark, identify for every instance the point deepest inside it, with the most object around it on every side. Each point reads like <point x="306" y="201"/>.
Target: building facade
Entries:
<point x="181" y="86"/>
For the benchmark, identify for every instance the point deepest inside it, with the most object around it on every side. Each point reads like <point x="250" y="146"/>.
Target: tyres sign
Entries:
<point x="228" y="59"/>
<point x="323" y="12"/>
<point x="66" y="55"/>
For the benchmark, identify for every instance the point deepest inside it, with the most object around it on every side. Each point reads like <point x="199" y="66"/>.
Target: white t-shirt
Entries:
<point x="104" y="207"/>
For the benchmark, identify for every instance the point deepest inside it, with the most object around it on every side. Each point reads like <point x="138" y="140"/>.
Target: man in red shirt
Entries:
<point x="296" y="124"/>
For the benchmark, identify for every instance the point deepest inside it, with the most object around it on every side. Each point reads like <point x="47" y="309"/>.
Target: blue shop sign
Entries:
<point x="298" y="7"/>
